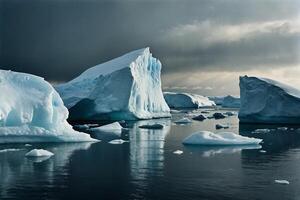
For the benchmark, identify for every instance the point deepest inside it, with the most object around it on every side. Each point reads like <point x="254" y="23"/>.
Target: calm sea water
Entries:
<point x="147" y="168"/>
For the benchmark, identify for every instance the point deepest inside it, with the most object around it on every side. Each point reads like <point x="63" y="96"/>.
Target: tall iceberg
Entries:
<point x="267" y="101"/>
<point x="128" y="87"/>
<point x="32" y="111"/>
<point x="186" y="100"/>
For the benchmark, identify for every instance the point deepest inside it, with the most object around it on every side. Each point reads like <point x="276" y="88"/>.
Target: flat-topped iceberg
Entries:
<point x="128" y="87"/>
<point x="222" y="138"/>
<point x="185" y="100"/>
<point x="267" y="101"/>
<point x="32" y="111"/>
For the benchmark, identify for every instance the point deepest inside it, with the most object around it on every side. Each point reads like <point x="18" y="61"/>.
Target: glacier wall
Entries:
<point x="128" y="87"/>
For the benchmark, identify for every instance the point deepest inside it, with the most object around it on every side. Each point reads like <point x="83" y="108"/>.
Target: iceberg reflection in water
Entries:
<point x="147" y="149"/>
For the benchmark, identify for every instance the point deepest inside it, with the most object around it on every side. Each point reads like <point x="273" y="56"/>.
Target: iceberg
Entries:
<point x="113" y="127"/>
<point x="125" y="88"/>
<point x="222" y="138"/>
<point x="39" y="153"/>
<point x="185" y="100"/>
<point x="267" y="101"/>
<point x="32" y="111"/>
<point x="217" y="99"/>
<point x="231" y="102"/>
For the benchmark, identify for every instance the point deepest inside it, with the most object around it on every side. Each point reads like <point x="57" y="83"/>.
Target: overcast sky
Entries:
<point x="204" y="46"/>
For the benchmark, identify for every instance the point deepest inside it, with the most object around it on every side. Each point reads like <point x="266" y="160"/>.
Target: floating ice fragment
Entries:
<point x="117" y="141"/>
<point x="222" y="138"/>
<point x="178" y="152"/>
<point x="39" y="153"/>
<point x="183" y="121"/>
<point x="9" y="150"/>
<point x="284" y="182"/>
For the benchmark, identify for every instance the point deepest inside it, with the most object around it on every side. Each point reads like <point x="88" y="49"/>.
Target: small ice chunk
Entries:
<point x="262" y="151"/>
<point x="282" y="128"/>
<point x="27" y="145"/>
<point x="183" y="121"/>
<point x="262" y="130"/>
<point x="117" y="141"/>
<point x="218" y="115"/>
<point x="284" y="182"/>
<point x="178" y="152"/>
<point x="113" y="127"/>
<point x="9" y="150"/>
<point x="38" y="153"/>
<point x="152" y="126"/>
<point x="219" y="126"/>
<point x="222" y="138"/>
<point x="199" y="118"/>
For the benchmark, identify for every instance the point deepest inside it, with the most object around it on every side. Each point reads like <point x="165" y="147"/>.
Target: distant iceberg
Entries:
<point x="231" y="102"/>
<point x="186" y="100"/>
<point x="228" y="101"/>
<point x="222" y="138"/>
<point x="128" y="87"/>
<point x="32" y="111"/>
<point x="267" y="101"/>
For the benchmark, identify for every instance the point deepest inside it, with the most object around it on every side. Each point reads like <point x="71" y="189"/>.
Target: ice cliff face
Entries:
<point x="267" y="101"/>
<point x="128" y="87"/>
<point x="185" y="100"/>
<point x="32" y="111"/>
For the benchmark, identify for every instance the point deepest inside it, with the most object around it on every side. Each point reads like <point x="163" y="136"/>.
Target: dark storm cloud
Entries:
<point x="58" y="39"/>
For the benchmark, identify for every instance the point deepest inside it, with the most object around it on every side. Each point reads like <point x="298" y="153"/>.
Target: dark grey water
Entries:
<point x="146" y="168"/>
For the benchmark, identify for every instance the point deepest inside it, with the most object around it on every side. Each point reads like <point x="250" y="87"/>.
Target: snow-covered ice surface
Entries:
<point x="32" y="111"/>
<point x="231" y="102"/>
<point x="222" y="138"/>
<point x="186" y="100"/>
<point x="267" y="101"/>
<point x="128" y="87"/>
<point x="39" y="153"/>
